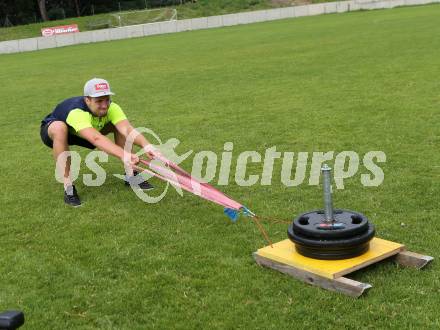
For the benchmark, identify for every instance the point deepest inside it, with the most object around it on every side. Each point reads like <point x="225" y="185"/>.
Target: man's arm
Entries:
<point x="103" y="143"/>
<point x="125" y="128"/>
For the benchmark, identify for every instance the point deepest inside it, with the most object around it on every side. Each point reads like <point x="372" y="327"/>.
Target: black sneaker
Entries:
<point x="138" y="181"/>
<point x="71" y="197"/>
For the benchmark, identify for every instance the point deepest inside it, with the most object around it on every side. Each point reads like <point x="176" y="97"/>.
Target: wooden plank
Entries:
<point x="370" y="260"/>
<point x="343" y="285"/>
<point x="285" y="252"/>
<point x="412" y="259"/>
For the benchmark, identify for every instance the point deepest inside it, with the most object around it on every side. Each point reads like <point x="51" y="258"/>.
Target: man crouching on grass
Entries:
<point x="84" y="121"/>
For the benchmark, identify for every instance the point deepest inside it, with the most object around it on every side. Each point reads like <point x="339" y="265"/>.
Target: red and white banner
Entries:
<point x="50" y="31"/>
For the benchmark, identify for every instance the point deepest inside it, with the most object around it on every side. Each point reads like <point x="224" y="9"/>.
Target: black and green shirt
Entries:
<point x="77" y="115"/>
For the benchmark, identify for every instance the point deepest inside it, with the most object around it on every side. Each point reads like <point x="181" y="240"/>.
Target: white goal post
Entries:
<point x="142" y="16"/>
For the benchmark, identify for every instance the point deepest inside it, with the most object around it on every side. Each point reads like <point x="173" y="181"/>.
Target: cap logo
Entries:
<point x="101" y="87"/>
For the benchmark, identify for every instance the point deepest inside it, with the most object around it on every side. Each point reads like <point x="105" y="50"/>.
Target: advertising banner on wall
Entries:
<point x="50" y="31"/>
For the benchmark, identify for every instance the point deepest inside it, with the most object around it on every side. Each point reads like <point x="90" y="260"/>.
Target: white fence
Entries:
<point x="143" y="30"/>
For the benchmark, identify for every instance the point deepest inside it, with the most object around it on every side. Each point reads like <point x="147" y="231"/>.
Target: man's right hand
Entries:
<point x="154" y="153"/>
<point x="130" y="159"/>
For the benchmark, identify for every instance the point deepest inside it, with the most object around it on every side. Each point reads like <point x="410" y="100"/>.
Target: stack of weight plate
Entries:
<point x="347" y="236"/>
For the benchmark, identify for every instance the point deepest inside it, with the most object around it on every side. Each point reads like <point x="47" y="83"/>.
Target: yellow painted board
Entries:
<point x="285" y="252"/>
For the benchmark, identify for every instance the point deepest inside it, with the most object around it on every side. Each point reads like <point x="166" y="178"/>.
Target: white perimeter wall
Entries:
<point x="143" y="30"/>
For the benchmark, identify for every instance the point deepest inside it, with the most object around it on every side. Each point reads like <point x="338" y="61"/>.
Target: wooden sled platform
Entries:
<point x="329" y="274"/>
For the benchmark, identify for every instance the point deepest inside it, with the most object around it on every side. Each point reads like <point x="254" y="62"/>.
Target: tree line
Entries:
<point x="16" y="12"/>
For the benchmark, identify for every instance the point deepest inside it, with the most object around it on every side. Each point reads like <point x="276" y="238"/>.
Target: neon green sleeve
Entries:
<point x="79" y="119"/>
<point x="115" y="113"/>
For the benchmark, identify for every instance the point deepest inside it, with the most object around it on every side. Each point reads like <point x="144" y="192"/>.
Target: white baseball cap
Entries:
<point x="97" y="87"/>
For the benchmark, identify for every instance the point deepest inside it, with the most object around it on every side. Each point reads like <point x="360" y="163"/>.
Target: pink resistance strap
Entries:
<point x="180" y="178"/>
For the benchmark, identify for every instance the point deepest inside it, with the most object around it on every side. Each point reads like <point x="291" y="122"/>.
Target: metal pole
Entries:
<point x="327" y="186"/>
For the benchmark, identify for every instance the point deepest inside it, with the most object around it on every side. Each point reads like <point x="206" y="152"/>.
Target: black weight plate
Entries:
<point x="307" y="224"/>
<point x="333" y="249"/>
<point x="332" y="254"/>
<point x="332" y="242"/>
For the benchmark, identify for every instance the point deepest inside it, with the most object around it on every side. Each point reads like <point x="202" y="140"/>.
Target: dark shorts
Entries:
<point x="71" y="138"/>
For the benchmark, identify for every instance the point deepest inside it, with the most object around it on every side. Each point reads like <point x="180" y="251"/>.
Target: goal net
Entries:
<point x="142" y="16"/>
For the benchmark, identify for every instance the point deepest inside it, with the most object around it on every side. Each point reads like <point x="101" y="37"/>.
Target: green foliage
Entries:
<point x="187" y="10"/>
<point x="357" y="81"/>
<point x="56" y="14"/>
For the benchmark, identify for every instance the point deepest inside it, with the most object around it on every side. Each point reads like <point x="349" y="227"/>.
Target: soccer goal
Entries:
<point x="142" y="16"/>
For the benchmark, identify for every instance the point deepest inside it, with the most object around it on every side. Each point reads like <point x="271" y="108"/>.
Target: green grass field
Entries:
<point x="359" y="81"/>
